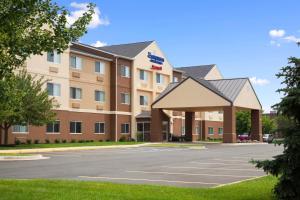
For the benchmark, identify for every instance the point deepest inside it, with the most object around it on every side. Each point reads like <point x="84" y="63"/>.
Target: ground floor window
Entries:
<point x="183" y="130"/>
<point x="220" y="130"/>
<point x="197" y="130"/>
<point x="210" y="130"/>
<point x="75" y="127"/>
<point x="143" y="130"/>
<point x="125" y="128"/>
<point x="20" y="129"/>
<point x="53" y="127"/>
<point x="99" y="127"/>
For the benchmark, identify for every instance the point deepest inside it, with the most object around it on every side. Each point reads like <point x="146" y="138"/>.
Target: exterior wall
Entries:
<point x="247" y="98"/>
<point x="213" y="124"/>
<point x="178" y="75"/>
<point x="214" y="73"/>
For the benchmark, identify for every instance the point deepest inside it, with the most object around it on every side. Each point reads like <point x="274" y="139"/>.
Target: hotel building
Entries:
<point x="106" y="93"/>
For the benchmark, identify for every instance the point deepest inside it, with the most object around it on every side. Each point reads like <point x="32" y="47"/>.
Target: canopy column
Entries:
<point x="256" y="125"/>
<point x="157" y="116"/>
<point x="229" y="135"/>
<point x="190" y="127"/>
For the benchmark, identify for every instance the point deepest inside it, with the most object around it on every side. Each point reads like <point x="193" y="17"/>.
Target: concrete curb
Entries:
<point x="43" y="150"/>
<point x="15" y="158"/>
<point x="244" y="144"/>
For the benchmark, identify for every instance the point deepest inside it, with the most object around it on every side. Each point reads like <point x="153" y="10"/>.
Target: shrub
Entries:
<point x="100" y="140"/>
<point x="64" y="141"/>
<point x="57" y="141"/>
<point x="81" y="141"/>
<point x="47" y="141"/>
<point x="17" y="142"/>
<point x="91" y="140"/>
<point x="36" y="141"/>
<point x="107" y="140"/>
<point x="28" y="141"/>
<point x="122" y="138"/>
<point x="73" y="141"/>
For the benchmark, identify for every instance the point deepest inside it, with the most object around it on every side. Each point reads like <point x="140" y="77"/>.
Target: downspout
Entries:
<point x="116" y="100"/>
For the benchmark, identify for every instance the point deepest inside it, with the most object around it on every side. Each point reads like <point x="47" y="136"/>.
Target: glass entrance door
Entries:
<point x="165" y="130"/>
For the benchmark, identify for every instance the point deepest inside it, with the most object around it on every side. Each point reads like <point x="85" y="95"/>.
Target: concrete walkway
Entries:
<point x="43" y="150"/>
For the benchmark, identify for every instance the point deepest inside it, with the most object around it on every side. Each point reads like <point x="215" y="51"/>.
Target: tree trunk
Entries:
<point x="6" y="135"/>
<point x="1" y="135"/>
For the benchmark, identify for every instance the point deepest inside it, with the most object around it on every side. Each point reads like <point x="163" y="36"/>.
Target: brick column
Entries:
<point x="156" y="125"/>
<point x="190" y="127"/>
<point x="256" y="126"/>
<point x="229" y="135"/>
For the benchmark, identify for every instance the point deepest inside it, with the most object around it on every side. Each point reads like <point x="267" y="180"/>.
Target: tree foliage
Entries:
<point x="31" y="27"/>
<point x="23" y="101"/>
<point x="268" y="125"/>
<point x="243" y="122"/>
<point x="287" y="164"/>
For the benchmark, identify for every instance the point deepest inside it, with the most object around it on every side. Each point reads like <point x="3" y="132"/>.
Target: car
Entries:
<point x="268" y="138"/>
<point x="244" y="137"/>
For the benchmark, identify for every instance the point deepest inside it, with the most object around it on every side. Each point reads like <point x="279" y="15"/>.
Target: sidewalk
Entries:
<point x="43" y="150"/>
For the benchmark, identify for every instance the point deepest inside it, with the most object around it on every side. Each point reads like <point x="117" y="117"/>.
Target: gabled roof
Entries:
<point x="199" y="71"/>
<point x="129" y="50"/>
<point x="230" y="88"/>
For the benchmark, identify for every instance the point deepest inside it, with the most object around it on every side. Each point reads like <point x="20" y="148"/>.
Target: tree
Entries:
<point x="268" y="125"/>
<point x="31" y="27"/>
<point x="243" y="122"/>
<point x="287" y="164"/>
<point x="23" y="101"/>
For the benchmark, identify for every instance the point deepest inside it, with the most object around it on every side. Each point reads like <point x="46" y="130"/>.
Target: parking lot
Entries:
<point x="218" y="164"/>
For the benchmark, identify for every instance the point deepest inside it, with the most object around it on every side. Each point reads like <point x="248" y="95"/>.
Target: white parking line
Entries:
<point x="147" y="180"/>
<point x="192" y="174"/>
<point x="216" y="163"/>
<point x="243" y="161"/>
<point x="222" y="169"/>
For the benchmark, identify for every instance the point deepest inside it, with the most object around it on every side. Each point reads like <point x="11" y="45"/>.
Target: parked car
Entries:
<point x="268" y="138"/>
<point x="244" y="137"/>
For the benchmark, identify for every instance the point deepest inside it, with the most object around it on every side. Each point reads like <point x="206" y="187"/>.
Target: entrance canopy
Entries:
<point x="204" y="95"/>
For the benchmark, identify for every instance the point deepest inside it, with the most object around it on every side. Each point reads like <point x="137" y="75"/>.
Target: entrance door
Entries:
<point x="143" y="130"/>
<point x="165" y="130"/>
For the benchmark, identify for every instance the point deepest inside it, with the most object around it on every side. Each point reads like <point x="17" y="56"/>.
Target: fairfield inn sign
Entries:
<point x="157" y="60"/>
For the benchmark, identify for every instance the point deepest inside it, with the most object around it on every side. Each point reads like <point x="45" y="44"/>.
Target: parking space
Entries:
<point x="216" y="165"/>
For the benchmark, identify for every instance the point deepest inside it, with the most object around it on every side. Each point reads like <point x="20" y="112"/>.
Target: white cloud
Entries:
<point x="277" y="33"/>
<point x="292" y="38"/>
<point x="80" y="8"/>
<point x="258" y="81"/>
<point x="99" y="44"/>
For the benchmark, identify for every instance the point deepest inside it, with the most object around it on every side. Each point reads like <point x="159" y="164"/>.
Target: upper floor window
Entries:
<point x="75" y="93"/>
<point x="20" y="129"/>
<point x="53" y="89"/>
<point x="143" y="100"/>
<point x="125" y="98"/>
<point x="175" y="79"/>
<point x="159" y="78"/>
<point x="99" y="96"/>
<point x="99" y="67"/>
<point x="125" y="71"/>
<point x="53" y="127"/>
<point x="143" y="75"/>
<point x="53" y="56"/>
<point x="75" y="62"/>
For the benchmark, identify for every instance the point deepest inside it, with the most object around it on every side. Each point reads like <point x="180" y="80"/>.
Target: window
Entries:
<point x="159" y="78"/>
<point x="53" y="57"/>
<point x="75" y="62"/>
<point x="183" y="130"/>
<point x="197" y="130"/>
<point x="99" y="67"/>
<point x="125" y="98"/>
<point x="175" y="79"/>
<point x="20" y="129"/>
<point x="143" y="75"/>
<point x="210" y="130"/>
<point x="75" y="93"/>
<point x="53" y="89"/>
<point x="143" y="100"/>
<point x="125" y="72"/>
<point x="53" y="127"/>
<point x="99" y="96"/>
<point x="125" y="128"/>
<point x="99" y="128"/>
<point x="75" y="127"/>
<point x="220" y="130"/>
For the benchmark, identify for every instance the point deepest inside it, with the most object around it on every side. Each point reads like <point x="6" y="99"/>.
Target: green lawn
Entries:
<point x="73" y="190"/>
<point x="54" y="145"/>
<point x="15" y="154"/>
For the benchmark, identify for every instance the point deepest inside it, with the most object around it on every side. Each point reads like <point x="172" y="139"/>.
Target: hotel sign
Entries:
<point x="155" y="59"/>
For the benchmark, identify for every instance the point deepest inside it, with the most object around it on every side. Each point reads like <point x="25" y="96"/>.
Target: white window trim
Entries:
<point x="80" y="94"/>
<point x="100" y="100"/>
<point x="99" y="73"/>
<point x="128" y="71"/>
<point x="104" y="129"/>
<point x="27" y="132"/>
<point x="128" y="129"/>
<point x="76" y="133"/>
<point x="144" y="100"/>
<point x="75" y="68"/>
<point x="56" y="63"/>
<point x="53" y="90"/>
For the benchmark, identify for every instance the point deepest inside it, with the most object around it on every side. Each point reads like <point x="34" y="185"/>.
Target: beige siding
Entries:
<point x="247" y="98"/>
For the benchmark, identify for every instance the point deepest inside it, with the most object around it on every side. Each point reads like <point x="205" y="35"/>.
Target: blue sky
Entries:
<point x="244" y="38"/>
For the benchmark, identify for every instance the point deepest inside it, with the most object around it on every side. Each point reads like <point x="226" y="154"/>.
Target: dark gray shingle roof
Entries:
<point x="144" y="114"/>
<point x="199" y="71"/>
<point x="128" y="50"/>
